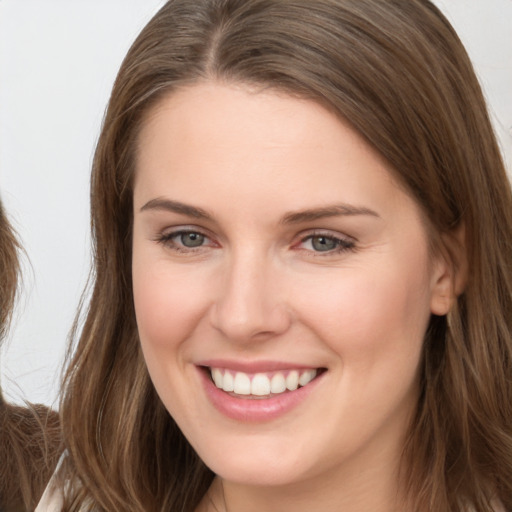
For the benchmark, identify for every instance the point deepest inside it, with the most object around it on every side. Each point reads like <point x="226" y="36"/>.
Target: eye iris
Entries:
<point x="192" y="239"/>
<point x="323" y="243"/>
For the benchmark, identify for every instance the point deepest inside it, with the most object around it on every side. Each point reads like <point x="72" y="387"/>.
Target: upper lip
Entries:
<point x="254" y="366"/>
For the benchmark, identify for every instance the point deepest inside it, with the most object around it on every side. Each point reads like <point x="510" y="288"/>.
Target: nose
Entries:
<point x="250" y="303"/>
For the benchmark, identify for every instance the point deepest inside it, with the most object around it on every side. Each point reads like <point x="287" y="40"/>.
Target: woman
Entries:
<point x="29" y="436"/>
<point x="302" y="290"/>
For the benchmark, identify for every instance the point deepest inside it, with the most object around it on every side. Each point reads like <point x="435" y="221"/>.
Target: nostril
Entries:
<point x="241" y="323"/>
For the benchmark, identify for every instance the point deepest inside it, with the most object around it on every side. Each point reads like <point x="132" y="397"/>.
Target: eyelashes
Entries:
<point x="326" y="243"/>
<point x="185" y="240"/>
<point x="318" y="243"/>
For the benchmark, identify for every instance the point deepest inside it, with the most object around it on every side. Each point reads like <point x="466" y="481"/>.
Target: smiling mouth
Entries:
<point x="261" y="385"/>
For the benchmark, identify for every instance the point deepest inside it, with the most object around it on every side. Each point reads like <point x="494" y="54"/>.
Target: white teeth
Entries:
<point x="229" y="382"/>
<point x="278" y="383"/>
<point x="242" y="384"/>
<point x="292" y="380"/>
<point x="306" y="377"/>
<point x="261" y="384"/>
<point x="217" y="377"/>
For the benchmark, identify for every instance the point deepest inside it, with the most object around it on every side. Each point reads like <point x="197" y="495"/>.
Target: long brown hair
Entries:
<point x="29" y="436"/>
<point x="395" y="70"/>
<point x="9" y="271"/>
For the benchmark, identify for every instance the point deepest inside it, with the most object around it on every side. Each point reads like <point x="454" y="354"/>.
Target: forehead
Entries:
<point x="240" y="142"/>
<point x="237" y="113"/>
<point x="238" y="116"/>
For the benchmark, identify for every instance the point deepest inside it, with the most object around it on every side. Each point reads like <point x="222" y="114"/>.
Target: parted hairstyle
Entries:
<point x="30" y="435"/>
<point x="397" y="72"/>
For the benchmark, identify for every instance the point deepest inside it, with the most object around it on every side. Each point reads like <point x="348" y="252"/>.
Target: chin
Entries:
<point x="249" y="474"/>
<point x="260" y="466"/>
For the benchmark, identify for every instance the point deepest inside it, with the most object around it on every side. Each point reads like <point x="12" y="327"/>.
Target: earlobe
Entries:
<point x="443" y="295"/>
<point x="450" y="272"/>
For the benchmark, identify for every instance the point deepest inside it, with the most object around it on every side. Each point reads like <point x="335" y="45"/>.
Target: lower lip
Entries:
<point x="257" y="409"/>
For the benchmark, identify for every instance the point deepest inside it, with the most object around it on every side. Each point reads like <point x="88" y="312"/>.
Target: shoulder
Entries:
<point x="60" y="485"/>
<point x="51" y="500"/>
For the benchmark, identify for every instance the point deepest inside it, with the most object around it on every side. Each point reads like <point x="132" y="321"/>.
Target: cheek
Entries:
<point x="362" y="313"/>
<point x="167" y="304"/>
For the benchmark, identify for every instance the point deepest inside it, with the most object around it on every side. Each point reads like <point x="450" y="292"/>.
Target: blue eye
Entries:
<point x="183" y="240"/>
<point x="323" y="243"/>
<point x="326" y="244"/>
<point x="190" y="239"/>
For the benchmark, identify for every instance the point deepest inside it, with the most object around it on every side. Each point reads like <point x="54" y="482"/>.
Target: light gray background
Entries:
<point x="58" y="60"/>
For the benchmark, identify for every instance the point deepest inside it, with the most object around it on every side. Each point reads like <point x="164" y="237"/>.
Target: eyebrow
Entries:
<point x="328" y="211"/>
<point x="162" y="204"/>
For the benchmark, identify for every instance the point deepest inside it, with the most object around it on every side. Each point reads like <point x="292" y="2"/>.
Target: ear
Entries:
<point x="450" y="271"/>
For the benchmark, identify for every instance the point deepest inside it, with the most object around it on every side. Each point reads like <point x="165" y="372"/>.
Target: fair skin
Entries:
<point x="269" y="238"/>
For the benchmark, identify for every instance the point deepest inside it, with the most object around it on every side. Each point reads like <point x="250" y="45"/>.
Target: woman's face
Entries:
<point x="274" y="252"/>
